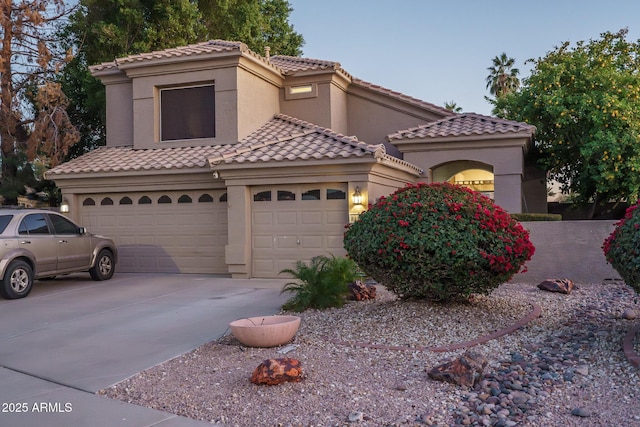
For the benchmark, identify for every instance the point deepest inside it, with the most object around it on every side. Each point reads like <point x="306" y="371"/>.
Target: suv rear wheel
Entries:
<point x="104" y="267"/>
<point x="17" y="281"/>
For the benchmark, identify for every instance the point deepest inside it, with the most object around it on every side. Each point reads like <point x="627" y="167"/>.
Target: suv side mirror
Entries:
<point x="82" y="231"/>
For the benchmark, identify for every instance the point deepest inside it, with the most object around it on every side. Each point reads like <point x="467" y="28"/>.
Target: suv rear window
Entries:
<point x="4" y="221"/>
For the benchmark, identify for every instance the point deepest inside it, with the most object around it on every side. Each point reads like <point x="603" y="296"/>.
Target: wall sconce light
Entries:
<point x="357" y="196"/>
<point x="64" y="206"/>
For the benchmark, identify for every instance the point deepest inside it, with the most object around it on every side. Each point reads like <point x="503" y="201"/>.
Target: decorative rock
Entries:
<point x="355" y="417"/>
<point x="277" y="371"/>
<point x="361" y="291"/>
<point x="465" y="370"/>
<point x="581" y="412"/>
<point x="564" y="286"/>
<point x="629" y="314"/>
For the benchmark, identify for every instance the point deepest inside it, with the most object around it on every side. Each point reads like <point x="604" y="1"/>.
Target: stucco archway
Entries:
<point x="472" y="174"/>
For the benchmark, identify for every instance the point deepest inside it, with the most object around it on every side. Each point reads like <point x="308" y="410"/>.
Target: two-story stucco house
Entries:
<point x="220" y="160"/>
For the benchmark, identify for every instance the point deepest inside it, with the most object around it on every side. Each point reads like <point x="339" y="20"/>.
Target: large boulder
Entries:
<point x="277" y="371"/>
<point x="466" y="370"/>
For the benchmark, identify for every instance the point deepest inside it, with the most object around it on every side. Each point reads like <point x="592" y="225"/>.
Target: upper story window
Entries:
<point x="187" y="113"/>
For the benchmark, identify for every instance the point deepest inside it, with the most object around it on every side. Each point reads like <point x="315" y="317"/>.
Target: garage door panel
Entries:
<point x="263" y="218"/>
<point x="287" y="218"/>
<point x="184" y="237"/>
<point x="318" y="226"/>
<point x="286" y="242"/>
<point x="311" y="218"/>
<point x="262" y="242"/>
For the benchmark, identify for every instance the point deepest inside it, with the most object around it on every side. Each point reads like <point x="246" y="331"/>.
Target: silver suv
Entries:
<point x="39" y="244"/>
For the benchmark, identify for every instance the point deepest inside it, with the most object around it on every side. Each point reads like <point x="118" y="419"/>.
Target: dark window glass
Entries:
<point x="62" y="225"/>
<point x="263" y="196"/>
<point x="332" y="193"/>
<point x="88" y="202"/>
<point x="223" y="198"/>
<point x="187" y="113"/>
<point x="311" y="195"/>
<point x="34" y="224"/>
<point x="286" y="195"/>
<point x="4" y="221"/>
<point x="164" y="199"/>
<point x="106" y="201"/>
<point x="144" y="200"/>
<point x="184" y="199"/>
<point x="205" y="198"/>
<point x="126" y="201"/>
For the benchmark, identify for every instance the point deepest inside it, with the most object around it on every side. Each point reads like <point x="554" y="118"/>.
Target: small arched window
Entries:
<point x="263" y="196"/>
<point x="126" y="201"/>
<point x="144" y="200"/>
<point x="88" y="202"/>
<point x="286" y="195"/>
<point x="107" y="201"/>
<point x="164" y="199"/>
<point x="223" y="198"/>
<point x="311" y="195"/>
<point x="205" y="198"/>
<point x="334" y="194"/>
<point x="184" y="199"/>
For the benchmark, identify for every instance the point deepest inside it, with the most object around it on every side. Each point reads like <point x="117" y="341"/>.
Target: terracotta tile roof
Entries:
<point x="286" y="138"/>
<point x="293" y="64"/>
<point x="281" y="139"/>
<point x="119" y="159"/>
<point x="466" y="124"/>
<point x="191" y="51"/>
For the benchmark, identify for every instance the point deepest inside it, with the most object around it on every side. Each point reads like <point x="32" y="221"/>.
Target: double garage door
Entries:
<point x="186" y="232"/>
<point x="172" y="232"/>
<point x="296" y="222"/>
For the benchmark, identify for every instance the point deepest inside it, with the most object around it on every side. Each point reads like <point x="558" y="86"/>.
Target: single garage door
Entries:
<point x="173" y="232"/>
<point x="296" y="222"/>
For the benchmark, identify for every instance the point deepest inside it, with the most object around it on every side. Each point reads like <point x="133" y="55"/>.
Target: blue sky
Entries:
<point x="440" y="51"/>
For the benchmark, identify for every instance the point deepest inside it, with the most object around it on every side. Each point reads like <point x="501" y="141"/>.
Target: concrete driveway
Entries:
<point x="73" y="337"/>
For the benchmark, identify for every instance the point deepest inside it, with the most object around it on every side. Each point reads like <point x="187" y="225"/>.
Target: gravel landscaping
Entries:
<point x="565" y="368"/>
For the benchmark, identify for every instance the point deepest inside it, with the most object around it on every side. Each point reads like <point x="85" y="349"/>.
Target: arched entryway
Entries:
<point x="475" y="175"/>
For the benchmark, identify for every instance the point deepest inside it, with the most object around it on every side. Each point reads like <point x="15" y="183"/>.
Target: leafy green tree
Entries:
<point x="585" y="102"/>
<point x="503" y="77"/>
<point x="103" y="30"/>
<point x="257" y="23"/>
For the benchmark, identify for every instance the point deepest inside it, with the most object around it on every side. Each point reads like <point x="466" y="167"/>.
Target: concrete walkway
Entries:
<point x="73" y="337"/>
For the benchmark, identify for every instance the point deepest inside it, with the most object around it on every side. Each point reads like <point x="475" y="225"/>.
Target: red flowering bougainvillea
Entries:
<point x="439" y="242"/>
<point x="622" y="247"/>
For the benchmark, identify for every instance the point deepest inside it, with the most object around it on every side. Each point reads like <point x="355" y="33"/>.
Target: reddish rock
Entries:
<point x="564" y="286"/>
<point x="360" y="291"/>
<point x="466" y="370"/>
<point x="277" y="371"/>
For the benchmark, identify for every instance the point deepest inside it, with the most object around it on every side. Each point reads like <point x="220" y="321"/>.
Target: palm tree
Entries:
<point x="502" y="78"/>
<point x="452" y="106"/>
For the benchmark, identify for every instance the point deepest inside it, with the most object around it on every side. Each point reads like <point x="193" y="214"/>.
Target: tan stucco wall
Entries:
<point x="119" y="103"/>
<point x="507" y="163"/>
<point x="257" y="102"/>
<point x="372" y="116"/>
<point x="568" y="249"/>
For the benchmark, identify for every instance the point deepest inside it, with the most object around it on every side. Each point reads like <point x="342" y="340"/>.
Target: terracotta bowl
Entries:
<point x="265" y="331"/>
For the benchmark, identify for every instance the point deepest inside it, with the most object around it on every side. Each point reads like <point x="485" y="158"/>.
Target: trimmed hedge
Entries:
<point x="536" y="217"/>
<point x="438" y="241"/>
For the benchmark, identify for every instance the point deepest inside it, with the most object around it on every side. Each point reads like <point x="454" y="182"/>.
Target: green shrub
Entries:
<point x="321" y="284"/>
<point x="438" y="241"/>
<point x="536" y="217"/>
<point x="622" y="247"/>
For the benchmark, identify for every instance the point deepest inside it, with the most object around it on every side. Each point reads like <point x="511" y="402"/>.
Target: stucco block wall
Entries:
<point x="568" y="249"/>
